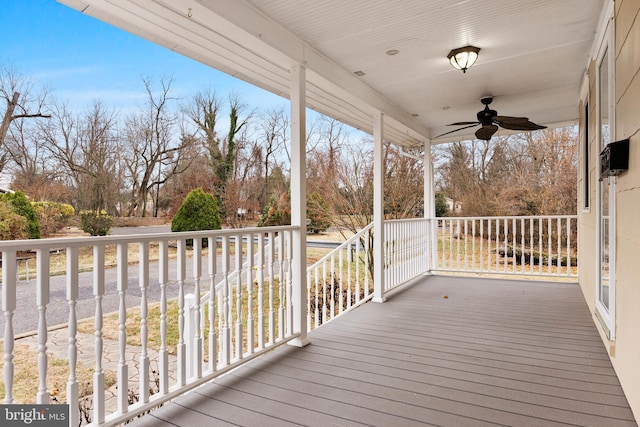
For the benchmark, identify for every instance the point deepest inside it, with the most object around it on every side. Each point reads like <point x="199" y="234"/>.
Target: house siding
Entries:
<point x="625" y="350"/>
<point x="627" y="355"/>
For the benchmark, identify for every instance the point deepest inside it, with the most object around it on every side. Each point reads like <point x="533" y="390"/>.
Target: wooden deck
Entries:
<point x="446" y="351"/>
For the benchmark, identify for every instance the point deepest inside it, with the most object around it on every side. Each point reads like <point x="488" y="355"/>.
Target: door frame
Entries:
<point x="605" y="314"/>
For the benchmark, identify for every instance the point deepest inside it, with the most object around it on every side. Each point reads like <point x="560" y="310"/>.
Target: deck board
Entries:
<point x="445" y="351"/>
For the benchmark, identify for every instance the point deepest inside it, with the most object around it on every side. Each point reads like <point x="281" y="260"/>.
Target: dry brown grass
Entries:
<point x="26" y="381"/>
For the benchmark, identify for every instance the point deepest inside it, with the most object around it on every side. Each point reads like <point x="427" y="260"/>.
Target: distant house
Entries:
<point x="5" y="183"/>
<point x="454" y="206"/>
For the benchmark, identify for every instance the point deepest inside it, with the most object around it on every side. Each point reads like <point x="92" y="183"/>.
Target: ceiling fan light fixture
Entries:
<point x="463" y="57"/>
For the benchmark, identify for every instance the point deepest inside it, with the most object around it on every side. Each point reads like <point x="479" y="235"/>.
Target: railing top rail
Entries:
<point x="70" y="242"/>
<point x="343" y="245"/>
<point x="406" y="220"/>
<point x="507" y="217"/>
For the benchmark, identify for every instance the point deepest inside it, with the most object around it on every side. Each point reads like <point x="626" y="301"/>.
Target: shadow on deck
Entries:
<point x="445" y="351"/>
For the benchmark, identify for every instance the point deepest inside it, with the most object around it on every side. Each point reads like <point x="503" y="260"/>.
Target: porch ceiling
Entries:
<point x="533" y="55"/>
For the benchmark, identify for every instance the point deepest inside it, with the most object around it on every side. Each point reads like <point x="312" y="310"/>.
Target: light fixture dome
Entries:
<point x="463" y="57"/>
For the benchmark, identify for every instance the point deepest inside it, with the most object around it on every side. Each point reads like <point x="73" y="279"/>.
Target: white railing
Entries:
<point x="247" y="288"/>
<point x="343" y="279"/>
<point x="340" y="280"/>
<point x="513" y="245"/>
<point x="406" y="250"/>
<point x="249" y="315"/>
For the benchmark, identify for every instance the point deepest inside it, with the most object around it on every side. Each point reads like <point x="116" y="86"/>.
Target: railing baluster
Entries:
<point x="316" y="314"/>
<point x="238" y="295"/>
<point x="250" y="326"/>
<point x="332" y="298"/>
<point x="473" y="245"/>
<point x="143" y="283"/>
<point x="260" y="278"/>
<point x="522" y="247"/>
<point x="226" y="321"/>
<point x="340" y="280"/>
<point x="559" y="257"/>
<point x="550" y="248"/>
<point x="98" y="375"/>
<point x="212" y="259"/>
<point x="272" y="314"/>
<point x="9" y="271"/>
<point x="197" y="274"/>
<point x="569" y="263"/>
<point x="481" y="245"/>
<point x="123" y="368"/>
<point x="531" y="245"/>
<point x="72" y="299"/>
<point x="366" y="261"/>
<point x="281" y="287"/>
<point x="506" y="245"/>
<point x="163" y="273"/>
<point x="514" y="247"/>
<point x="309" y="284"/>
<point x="540" y="248"/>
<point x="350" y="262"/>
<point x="42" y="300"/>
<point x="489" y="241"/>
<point x="356" y="265"/>
<point x="288" y="299"/>
<point x="466" y="254"/>
<point x="457" y="231"/>
<point x="181" y="347"/>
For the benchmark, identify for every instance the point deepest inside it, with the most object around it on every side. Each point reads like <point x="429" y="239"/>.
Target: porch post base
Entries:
<point x="380" y="300"/>
<point x="298" y="342"/>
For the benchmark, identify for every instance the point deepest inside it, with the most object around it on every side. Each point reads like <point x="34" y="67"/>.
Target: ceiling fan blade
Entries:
<point x="486" y="132"/>
<point x="522" y="126"/>
<point x="463" y="123"/>
<point x="456" y="130"/>
<point x="509" y="119"/>
<point x="517" y="123"/>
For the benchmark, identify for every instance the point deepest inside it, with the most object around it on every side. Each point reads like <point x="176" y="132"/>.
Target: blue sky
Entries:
<point x="81" y="59"/>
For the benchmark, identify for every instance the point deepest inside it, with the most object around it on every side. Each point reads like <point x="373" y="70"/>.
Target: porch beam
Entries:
<point x="299" y="204"/>
<point x="378" y="208"/>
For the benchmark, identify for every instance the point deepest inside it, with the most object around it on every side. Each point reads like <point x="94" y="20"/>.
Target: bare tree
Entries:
<point x="273" y="136"/>
<point x="87" y="148"/>
<point x="21" y="103"/>
<point x="524" y="174"/>
<point x="204" y="110"/>
<point x="154" y="152"/>
<point x="236" y="109"/>
<point x="403" y="184"/>
<point x="32" y="165"/>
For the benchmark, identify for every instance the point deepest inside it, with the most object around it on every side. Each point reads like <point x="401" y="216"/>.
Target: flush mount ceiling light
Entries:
<point x="463" y="57"/>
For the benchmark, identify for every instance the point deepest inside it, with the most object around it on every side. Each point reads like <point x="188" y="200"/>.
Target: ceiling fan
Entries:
<point x="490" y="120"/>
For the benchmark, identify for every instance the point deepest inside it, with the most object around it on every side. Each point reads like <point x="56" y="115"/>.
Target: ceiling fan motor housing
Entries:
<point x="485" y="117"/>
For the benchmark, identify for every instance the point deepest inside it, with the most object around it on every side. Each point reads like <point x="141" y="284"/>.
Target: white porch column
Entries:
<point x="299" y="204"/>
<point x="378" y="209"/>
<point x="429" y="205"/>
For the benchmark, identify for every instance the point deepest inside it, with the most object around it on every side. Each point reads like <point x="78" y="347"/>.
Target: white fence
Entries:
<point x="520" y="245"/>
